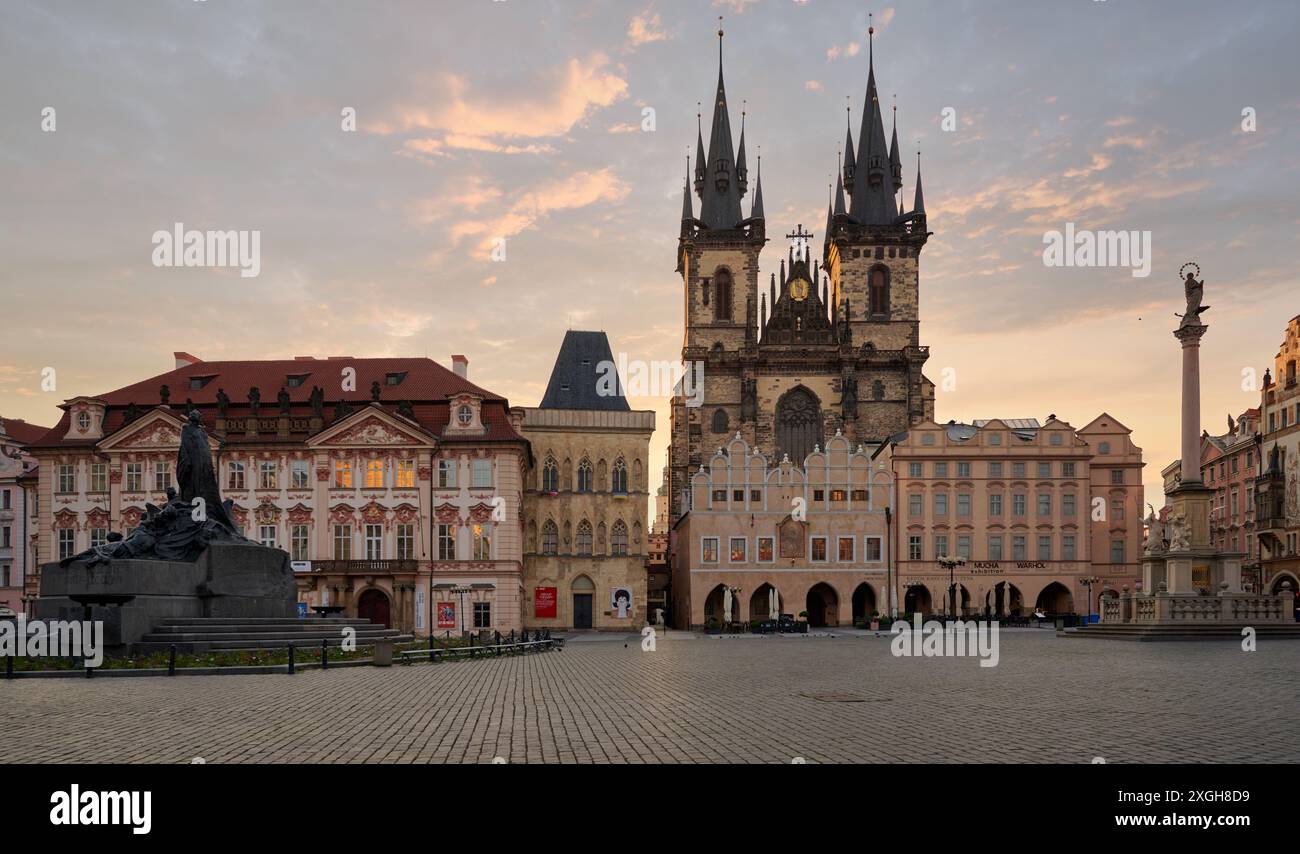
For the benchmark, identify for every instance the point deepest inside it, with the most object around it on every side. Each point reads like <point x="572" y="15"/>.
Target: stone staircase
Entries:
<point x="210" y="634"/>
<point x="1182" y="631"/>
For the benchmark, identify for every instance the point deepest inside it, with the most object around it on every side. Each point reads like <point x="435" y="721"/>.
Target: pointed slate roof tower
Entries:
<point x="719" y="180"/>
<point x="873" y="200"/>
<point x="577" y="380"/>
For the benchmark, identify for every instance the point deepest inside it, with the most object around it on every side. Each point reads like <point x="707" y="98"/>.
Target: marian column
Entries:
<point x="1190" y="336"/>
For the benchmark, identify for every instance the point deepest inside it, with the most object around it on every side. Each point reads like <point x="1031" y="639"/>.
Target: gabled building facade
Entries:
<point x="18" y="516"/>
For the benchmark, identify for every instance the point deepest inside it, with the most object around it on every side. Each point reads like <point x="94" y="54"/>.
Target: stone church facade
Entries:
<point x="829" y="344"/>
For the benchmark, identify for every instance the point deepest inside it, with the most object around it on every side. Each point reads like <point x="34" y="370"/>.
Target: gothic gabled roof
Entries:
<point x="579" y="380"/>
<point x="803" y="321"/>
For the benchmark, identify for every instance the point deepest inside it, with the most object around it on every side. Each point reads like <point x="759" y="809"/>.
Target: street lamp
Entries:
<point x="952" y="563"/>
<point x="1089" y="580"/>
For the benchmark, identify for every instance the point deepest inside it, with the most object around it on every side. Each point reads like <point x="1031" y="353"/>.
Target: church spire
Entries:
<point x="742" y="174"/>
<point x="722" y="187"/>
<point x="873" y="204"/>
<point x="918" y="206"/>
<point x="830" y="213"/>
<point x="688" y="212"/>
<point x="847" y="168"/>
<point x="895" y="163"/>
<point x="699" y="154"/>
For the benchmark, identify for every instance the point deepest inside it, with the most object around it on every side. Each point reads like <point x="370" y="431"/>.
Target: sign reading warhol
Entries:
<point x="23" y="638"/>
<point x="958" y="639"/>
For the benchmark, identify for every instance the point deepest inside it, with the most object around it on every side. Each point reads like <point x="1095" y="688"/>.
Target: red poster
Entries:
<point x="446" y="615"/>
<point x="544" y="602"/>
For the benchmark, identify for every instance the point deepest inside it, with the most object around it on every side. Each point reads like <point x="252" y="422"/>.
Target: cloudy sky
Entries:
<point x="528" y="121"/>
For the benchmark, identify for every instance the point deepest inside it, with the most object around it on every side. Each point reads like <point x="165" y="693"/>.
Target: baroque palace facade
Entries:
<point x="396" y="485"/>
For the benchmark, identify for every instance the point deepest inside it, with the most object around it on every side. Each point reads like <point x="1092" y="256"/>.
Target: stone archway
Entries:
<point x="760" y="603"/>
<point x="583" y="591"/>
<point x="864" y="602"/>
<point x="918" y="600"/>
<point x="1055" y="599"/>
<point x="822" y="605"/>
<point x="374" y="605"/>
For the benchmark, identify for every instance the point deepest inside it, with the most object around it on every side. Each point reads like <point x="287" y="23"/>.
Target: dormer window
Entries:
<point x="83" y="421"/>
<point x="295" y="380"/>
<point x="465" y="415"/>
<point x="395" y="378"/>
<point x="197" y="383"/>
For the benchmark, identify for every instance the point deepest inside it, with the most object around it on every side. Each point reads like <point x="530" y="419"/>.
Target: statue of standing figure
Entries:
<point x="1195" y="292"/>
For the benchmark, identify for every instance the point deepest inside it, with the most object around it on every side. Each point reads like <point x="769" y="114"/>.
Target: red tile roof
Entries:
<point x="21" y="431"/>
<point x="424" y="383"/>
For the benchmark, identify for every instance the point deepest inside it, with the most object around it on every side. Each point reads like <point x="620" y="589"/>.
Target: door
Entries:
<point x="373" y="606"/>
<point x="582" y="610"/>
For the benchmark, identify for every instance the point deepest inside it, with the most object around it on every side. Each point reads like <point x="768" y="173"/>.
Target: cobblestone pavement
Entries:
<point x="695" y="699"/>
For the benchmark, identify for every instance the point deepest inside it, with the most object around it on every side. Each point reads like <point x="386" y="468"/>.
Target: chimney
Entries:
<point x="460" y="365"/>
<point x="184" y="360"/>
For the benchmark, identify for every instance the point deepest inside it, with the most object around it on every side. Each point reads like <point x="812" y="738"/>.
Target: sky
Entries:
<point x="562" y="128"/>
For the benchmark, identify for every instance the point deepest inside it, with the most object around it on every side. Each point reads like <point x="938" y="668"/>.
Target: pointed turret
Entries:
<point x="895" y="164"/>
<point x="830" y="213"/>
<point x="688" y="212"/>
<point x="873" y="203"/>
<point x="847" y="169"/>
<point x="918" y="205"/>
<point x="756" y="211"/>
<point x="699" y="158"/>
<point x="742" y="173"/>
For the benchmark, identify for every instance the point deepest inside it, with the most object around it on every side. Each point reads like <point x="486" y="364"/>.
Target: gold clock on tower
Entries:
<point x="799" y="290"/>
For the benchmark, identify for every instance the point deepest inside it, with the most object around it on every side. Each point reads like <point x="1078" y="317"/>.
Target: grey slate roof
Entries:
<point x="576" y="378"/>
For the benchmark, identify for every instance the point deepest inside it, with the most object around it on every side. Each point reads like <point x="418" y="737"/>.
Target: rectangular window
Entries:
<point x="342" y="474"/>
<point x="859" y="495"/>
<point x="719" y="496"/>
<point x="1018" y="502"/>
<point x="914" y="470"/>
<point x="1018" y="547"/>
<point x="8" y="499"/>
<point x="1044" y="504"/>
<point x="4" y="576"/>
<point x="1116" y="551"/>
<point x="236" y="470"/>
<point x="1044" y="546"/>
<point x="756" y="496"/>
<point x="162" y="476"/>
<point x="738" y="496"/>
<point x="374" y="535"/>
<point x="482" y="615"/>
<point x="374" y="474"/>
<point x="1067" y="469"/>
<point x="446" y="542"/>
<point x="940" y="545"/>
<point x="482" y="542"/>
<point x="343" y="542"/>
<point x="995" y="469"/>
<point x="1068" y="551"/>
<point x="738" y="549"/>
<point x="963" y="546"/>
<point x="404" y="474"/>
<point x="765" y="549"/>
<point x="940" y="469"/>
<point x="482" y="474"/>
<point x="67" y="478"/>
<point x="845" y="549"/>
<point x="1067" y="504"/>
<point x="1117" y="476"/>
<point x="268" y="475"/>
<point x="941" y="504"/>
<point x="98" y="480"/>
<point x="709" y="550"/>
<point x="1017" y="469"/>
<point x="266" y="535"/>
<point x="995" y="505"/>
<point x="6" y="537"/>
<point x="963" y="469"/>
<point x="1044" y="469"/>
<point x="447" y="474"/>
<point x="839" y="495"/>
<point x="818" y="549"/>
<point x="98" y="536"/>
<point x="405" y="542"/>
<point x="995" y="548"/>
<point x="873" y="549"/>
<point x="913" y="547"/>
<point x="299" y="474"/>
<point x="1117" y="509"/>
<point x="914" y="507"/>
<point x="963" y="504"/>
<point x="819" y="495"/>
<point x="298" y="542"/>
<point x="67" y="543"/>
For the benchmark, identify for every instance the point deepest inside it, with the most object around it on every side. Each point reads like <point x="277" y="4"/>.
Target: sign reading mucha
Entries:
<point x="790" y="535"/>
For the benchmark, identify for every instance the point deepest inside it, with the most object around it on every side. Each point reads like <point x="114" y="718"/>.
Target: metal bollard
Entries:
<point x="290" y="659"/>
<point x="324" y="654"/>
<point x="171" y="660"/>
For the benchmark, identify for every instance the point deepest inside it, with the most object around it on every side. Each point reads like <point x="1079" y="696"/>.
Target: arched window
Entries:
<point x="550" y="476"/>
<point x="618" y="483"/>
<point x="585" y="475"/>
<point x="550" y="538"/>
<point x="877" y="390"/>
<point x="584" y="538"/>
<point x="722" y="295"/>
<point x="720" y="421"/>
<point x="879" y="291"/>
<point x="798" y="424"/>
<point x="618" y="540"/>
